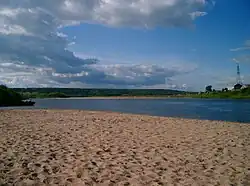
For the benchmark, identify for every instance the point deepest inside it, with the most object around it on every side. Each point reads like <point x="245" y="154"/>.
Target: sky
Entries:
<point x="162" y="44"/>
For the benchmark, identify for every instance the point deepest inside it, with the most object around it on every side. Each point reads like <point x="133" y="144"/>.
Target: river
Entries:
<point x="210" y="109"/>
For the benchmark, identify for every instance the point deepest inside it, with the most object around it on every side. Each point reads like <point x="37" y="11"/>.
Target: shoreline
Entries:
<point x="73" y="147"/>
<point x="127" y="114"/>
<point x="147" y="97"/>
<point x="112" y="97"/>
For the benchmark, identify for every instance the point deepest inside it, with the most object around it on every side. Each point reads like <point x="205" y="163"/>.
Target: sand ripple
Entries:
<point x="52" y="147"/>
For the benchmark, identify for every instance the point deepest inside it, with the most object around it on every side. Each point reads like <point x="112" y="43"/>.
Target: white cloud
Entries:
<point x="133" y="13"/>
<point x="239" y="49"/>
<point x="196" y="14"/>
<point x="31" y="40"/>
<point x="140" y="75"/>
<point x="137" y="13"/>
<point x="122" y="76"/>
<point x="20" y="75"/>
<point x="246" y="46"/>
<point x="244" y="53"/>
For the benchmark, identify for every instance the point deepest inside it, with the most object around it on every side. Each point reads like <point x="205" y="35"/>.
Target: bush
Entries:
<point x="9" y="97"/>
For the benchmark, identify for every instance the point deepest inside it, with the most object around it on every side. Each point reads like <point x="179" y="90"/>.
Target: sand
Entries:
<point x="63" y="147"/>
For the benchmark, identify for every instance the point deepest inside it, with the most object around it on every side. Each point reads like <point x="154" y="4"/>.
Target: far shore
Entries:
<point x="119" y="97"/>
<point x="145" y="97"/>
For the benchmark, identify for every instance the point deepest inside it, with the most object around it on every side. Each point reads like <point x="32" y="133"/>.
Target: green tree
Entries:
<point x="209" y="88"/>
<point x="237" y="86"/>
<point x="225" y="90"/>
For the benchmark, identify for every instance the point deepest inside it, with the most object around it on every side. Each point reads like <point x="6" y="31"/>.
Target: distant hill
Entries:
<point x="77" y="92"/>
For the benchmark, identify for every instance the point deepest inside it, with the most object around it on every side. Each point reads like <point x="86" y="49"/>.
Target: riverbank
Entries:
<point x="10" y="98"/>
<point x="43" y="147"/>
<point x="206" y="97"/>
<point x="130" y="93"/>
<point x="117" y="97"/>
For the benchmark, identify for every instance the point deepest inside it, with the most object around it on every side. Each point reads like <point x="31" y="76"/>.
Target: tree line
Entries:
<point x="77" y="92"/>
<point x="238" y="92"/>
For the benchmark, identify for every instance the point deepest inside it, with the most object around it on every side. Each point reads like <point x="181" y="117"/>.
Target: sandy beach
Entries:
<point x="65" y="147"/>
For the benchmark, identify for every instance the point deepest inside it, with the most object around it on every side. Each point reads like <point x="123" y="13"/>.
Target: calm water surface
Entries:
<point x="217" y="109"/>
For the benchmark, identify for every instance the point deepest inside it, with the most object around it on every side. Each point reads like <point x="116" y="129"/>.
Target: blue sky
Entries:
<point x="138" y="44"/>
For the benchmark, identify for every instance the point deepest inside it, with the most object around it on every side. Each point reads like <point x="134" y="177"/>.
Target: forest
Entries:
<point x="77" y="92"/>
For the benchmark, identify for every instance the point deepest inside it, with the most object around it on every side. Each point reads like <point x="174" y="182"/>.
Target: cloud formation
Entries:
<point x="137" y="13"/>
<point x="246" y="46"/>
<point x="35" y="52"/>
<point x="119" y="76"/>
<point x="244" y="50"/>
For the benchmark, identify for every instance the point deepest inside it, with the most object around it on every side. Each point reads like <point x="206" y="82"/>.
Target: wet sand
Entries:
<point x="64" y="147"/>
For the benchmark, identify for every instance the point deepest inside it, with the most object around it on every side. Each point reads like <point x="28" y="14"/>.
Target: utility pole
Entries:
<point x="238" y="80"/>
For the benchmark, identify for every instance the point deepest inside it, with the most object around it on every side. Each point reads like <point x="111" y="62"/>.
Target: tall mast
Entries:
<point x="238" y="80"/>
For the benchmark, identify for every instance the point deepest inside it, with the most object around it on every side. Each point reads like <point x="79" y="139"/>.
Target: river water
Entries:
<point x="211" y="109"/>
